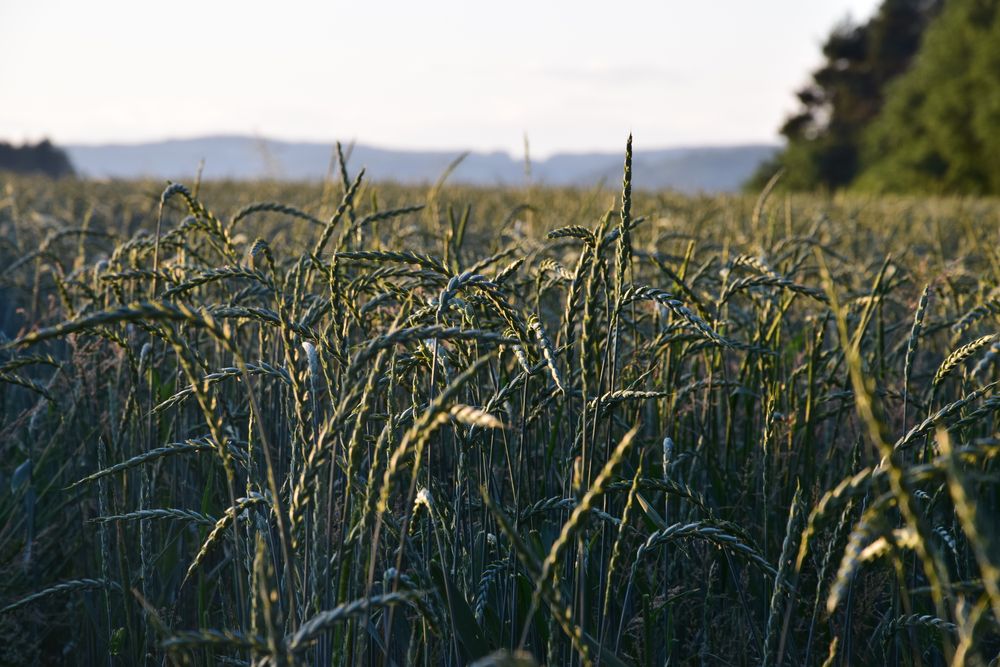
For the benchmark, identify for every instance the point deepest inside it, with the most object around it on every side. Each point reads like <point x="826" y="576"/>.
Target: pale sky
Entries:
<point x="574" y="76"/>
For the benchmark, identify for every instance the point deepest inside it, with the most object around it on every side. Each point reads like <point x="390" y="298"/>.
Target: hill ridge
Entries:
<point x="240" y="157"/>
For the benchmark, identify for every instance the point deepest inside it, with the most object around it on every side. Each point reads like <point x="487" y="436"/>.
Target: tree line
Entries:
<point x="907" y="102"/>
<point x="41" y="158"/>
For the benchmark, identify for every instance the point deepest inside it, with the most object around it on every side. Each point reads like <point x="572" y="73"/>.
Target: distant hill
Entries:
<point x="695" y="169"/>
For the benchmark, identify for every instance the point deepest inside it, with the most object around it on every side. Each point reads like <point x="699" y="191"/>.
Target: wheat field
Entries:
<point x="360" y="423"/>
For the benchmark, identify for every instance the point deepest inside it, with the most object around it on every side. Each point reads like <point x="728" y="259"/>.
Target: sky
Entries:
<point x="431" y="74"/>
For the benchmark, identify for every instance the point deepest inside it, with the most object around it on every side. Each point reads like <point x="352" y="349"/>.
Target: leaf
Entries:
<point x="21" y="476"/>
<point x="117" y="641"/>
<point x="650" y="513"/>
<point x="463" y="621"/>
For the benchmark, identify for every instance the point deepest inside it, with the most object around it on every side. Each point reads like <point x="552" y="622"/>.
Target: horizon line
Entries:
<point x="406" y="149"/>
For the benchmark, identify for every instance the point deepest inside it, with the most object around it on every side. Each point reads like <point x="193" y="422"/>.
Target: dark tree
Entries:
<point x="940" y="129"/>
<point x="40" y="158"/>
<point x="846" y="94"/>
